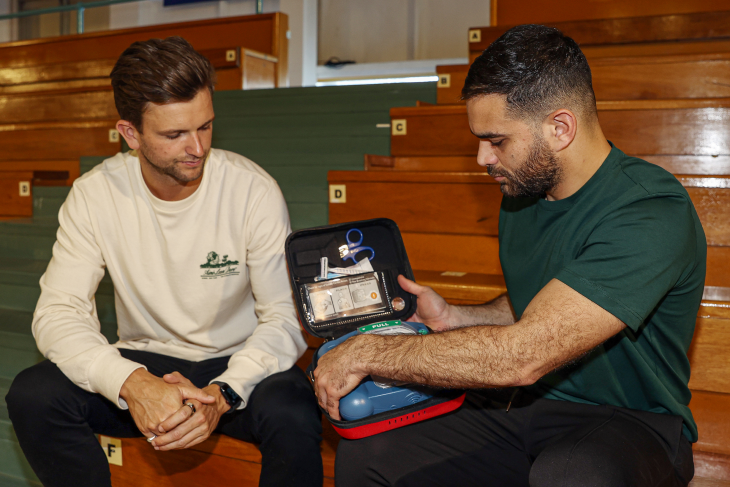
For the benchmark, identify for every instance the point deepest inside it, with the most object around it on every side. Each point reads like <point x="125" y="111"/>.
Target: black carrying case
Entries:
<point x="304" y="249"/>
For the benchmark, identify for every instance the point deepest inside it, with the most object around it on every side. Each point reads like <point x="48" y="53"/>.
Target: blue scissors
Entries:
<point x="353" y="248"/>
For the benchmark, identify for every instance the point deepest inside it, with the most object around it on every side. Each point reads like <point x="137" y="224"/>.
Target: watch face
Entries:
<point x="230" y="395"/>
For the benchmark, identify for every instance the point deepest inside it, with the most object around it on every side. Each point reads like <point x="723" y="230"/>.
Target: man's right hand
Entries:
<point x="151" y="400"/>
<point x="433" y="310"/>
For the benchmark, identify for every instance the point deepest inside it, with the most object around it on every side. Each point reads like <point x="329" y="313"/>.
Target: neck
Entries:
<point x="164" y="186"/>
<point x="579" y="162"/>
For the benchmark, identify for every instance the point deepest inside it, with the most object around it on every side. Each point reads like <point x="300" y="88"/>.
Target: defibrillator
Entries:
<point x="344" y="280"/>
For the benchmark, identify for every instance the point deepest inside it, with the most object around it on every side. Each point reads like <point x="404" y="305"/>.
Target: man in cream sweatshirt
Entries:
<point x="193" y="239"/>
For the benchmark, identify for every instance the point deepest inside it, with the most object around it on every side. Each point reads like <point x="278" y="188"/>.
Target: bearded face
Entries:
<point x="536" y="175"/>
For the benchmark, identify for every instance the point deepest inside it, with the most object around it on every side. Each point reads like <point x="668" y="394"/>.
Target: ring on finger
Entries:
<point x="149" y="440"/>
<point x="192" y="407"/>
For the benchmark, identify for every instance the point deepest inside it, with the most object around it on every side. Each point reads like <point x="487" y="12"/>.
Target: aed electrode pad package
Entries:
<point x="360" y="296"/>
<point x="347" y="275"/>
<point x="345" y="282"/>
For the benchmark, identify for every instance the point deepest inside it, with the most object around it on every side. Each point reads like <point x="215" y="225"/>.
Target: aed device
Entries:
<point x="336" y="300"/>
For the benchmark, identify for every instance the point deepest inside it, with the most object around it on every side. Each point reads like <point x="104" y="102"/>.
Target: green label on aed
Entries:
<point x="378" y="326"/>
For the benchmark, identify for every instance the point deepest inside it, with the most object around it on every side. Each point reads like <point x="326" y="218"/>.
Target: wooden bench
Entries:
<point x="688" y="165"/>
<point x="45" y="173"/>
<point x="696" y="127"/>
<point x="219" y="461"/>
<point x="16" y="197"/>
<point x="264" y="34"/>
<point x="449" y="221"/>
<point x="237" y="68"/>
<point x="630" y="78"/>
<point x="650" y="35"/>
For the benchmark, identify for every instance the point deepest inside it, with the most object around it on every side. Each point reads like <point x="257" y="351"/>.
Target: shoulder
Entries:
<point x="109" y="169"/>
<point x="637" y="187"/>
<point x="649" y="179"/>
<point x="235" y="166"/>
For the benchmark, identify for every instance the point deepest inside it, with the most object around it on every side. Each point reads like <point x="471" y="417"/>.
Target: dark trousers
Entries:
<point x="539" y="442"/>
<point x="55" y="422"/>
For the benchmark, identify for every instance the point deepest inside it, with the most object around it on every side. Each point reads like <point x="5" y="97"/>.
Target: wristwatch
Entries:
<point x="233" y="399"/>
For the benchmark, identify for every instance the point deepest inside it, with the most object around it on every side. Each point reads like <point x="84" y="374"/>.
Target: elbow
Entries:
<point x="527" y="375"/>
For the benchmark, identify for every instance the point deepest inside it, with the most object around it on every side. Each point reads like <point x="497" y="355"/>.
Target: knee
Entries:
<point x="568" y="466"/>
<point x="34" y="390"/>
<point x="359" y="462"/>
<point x="23" y="393"/>
<point x="287" y="402"/>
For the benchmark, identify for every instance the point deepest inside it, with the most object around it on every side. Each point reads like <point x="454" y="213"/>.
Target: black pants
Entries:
<point x="539" y="442"/>
<point x="55" y="422"/>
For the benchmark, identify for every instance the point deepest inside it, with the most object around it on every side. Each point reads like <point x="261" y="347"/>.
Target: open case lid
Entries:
<point x="330" y="308"/>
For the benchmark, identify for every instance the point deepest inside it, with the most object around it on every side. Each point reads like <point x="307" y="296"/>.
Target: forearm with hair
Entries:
<point x="556" y="329"/>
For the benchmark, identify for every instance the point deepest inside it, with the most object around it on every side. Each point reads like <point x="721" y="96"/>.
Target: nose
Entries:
<point x="196" y="147"/>
<point x="486" y="155"/>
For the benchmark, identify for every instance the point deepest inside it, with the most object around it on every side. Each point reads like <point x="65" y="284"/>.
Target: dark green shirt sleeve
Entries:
<point x="635" y="256"/>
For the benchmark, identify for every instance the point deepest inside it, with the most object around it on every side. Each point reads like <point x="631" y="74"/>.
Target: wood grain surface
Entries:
<point x="627" y="30"/>
<point x="634" y="77"/>
<point x="257" y="32"/>
<point x="58" y="141"/>
<point x="649" y="127"/>
<point x="69" y="166"/>
<point x="11" y="202"/>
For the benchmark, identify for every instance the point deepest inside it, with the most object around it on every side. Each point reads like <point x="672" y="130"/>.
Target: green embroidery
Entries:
<point x="219" y="267"/>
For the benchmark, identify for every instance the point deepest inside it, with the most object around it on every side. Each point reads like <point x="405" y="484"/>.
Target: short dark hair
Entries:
<point x="537" y="68"/>
<point x="158" y="71"/>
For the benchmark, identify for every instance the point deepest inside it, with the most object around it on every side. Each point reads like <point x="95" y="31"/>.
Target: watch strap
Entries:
<point x="231" y="397"/>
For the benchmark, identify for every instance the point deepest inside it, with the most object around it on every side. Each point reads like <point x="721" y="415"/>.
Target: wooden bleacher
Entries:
<point x="689" y="127"/>
<point x="662" y="57"/>
<point x="639" y="36"/>
<point x="668" y="76"/>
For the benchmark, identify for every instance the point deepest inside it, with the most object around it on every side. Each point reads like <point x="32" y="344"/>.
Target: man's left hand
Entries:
<point x="340" y="370"/>
<point x="185" y="428"/>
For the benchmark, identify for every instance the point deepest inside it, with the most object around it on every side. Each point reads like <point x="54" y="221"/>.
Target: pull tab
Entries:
<point x="511" y="398"/>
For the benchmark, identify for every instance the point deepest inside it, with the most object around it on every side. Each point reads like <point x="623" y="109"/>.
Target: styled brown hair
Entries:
<point x="158" y="71"/>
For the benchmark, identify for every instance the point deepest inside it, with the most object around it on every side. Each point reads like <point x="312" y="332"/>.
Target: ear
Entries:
<point x="560" y="128"/>
<point x="130" y="134"/>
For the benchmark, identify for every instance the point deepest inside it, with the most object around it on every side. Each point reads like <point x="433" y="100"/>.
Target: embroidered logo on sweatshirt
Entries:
<point x="218" y="266"/>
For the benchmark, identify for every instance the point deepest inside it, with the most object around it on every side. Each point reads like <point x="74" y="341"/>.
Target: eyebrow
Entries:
<point x="178" y="131"/>
<point x="489" y="135"/>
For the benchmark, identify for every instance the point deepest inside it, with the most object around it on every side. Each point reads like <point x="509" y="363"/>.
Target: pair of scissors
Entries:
<point x="354" y="247"/>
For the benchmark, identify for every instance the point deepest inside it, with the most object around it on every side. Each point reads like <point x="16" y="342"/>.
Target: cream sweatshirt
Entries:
<point x="195" y="279"/>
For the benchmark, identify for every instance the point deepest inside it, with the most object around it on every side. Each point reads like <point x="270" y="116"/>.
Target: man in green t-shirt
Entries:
<point x="578" y="376"/>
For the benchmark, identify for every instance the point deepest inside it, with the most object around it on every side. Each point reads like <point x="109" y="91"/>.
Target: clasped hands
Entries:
<point x="158" y="408"/>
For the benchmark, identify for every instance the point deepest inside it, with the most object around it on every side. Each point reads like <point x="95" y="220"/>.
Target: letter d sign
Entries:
<point x="338" y="193"/>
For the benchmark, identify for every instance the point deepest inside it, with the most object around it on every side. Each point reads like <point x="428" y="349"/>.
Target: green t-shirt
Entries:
<point x="630" y="241"/>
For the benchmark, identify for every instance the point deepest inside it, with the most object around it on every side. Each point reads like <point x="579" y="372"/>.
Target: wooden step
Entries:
<point x="667" y="30"/>
<point x="16" y="197"/>
<point x="688" y="165"/>
<point x="58" y="141"/>
<point x="450" y="221"/>
<point x="630" y="77"/>
<point x="45" y="173"/>
<point x="654" y="127"/>
<point x="220" y="460"/>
